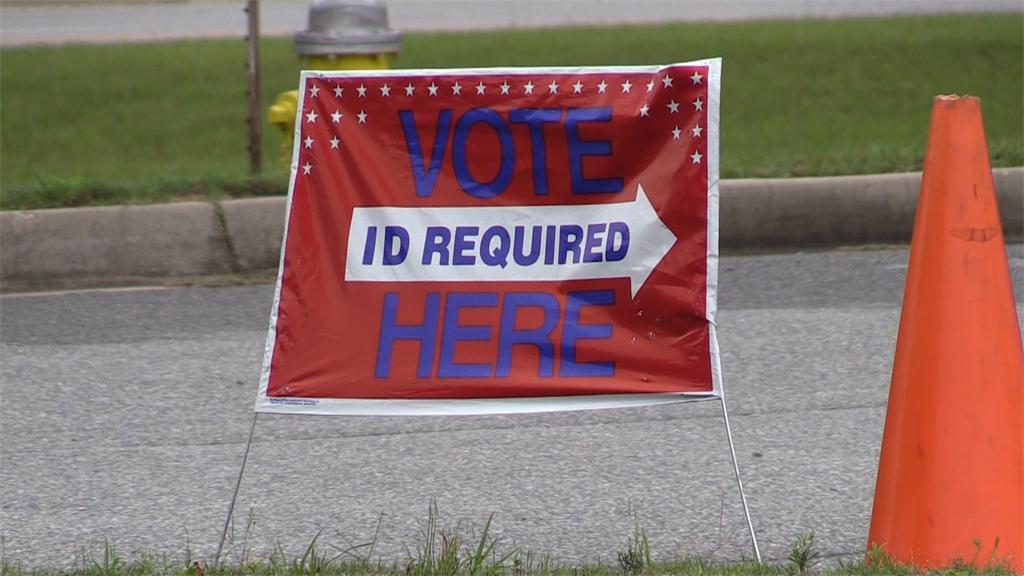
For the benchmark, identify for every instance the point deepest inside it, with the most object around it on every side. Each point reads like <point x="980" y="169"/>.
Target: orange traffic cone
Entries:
<point x="951" y="474"/>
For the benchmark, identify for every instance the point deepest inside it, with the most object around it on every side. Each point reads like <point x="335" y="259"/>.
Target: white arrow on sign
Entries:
<point x="495" y="244"/>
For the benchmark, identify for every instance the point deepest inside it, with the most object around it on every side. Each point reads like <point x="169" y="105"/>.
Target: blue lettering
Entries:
<point x="616" y="231"/>
<point x="573" y="332"/>
<point x="437" y="241"/>
<point x="579" y="148"/>
<point x="549" y="245"/>
<point x="590" y="249"/>
<point x="569" y="236"/>
<point x="540" y="337"/>
<point x="391" y="235"/>
<point x="425" y="178"/>
<point x="425" y="334"/>
<point x="464" y="241"/>
<point x="491" y="254"/>
<point x="501" y="180"/>
<point x="520" y="256"/>
<point x="453" y="333"/>
<point x="535" y="118"/>
<point x="371" y="245"/>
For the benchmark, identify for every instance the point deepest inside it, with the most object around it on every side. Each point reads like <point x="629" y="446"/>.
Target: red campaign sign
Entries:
<point x="498" y="240"/>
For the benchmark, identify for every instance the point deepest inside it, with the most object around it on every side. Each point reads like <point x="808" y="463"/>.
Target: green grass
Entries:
<point x="167" y="567"/>
<point x="462" y="550"/>
<point x="447" y="555"/>
<point x="86" y="124"/>
<point x="68" y="192"/>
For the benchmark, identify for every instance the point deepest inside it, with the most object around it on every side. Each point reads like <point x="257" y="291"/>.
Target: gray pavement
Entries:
<point x="41" y="22"/>
<point x="124" y="416"/>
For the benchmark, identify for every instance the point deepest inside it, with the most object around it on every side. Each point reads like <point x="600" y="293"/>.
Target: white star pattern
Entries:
<point x="648" y="109"/>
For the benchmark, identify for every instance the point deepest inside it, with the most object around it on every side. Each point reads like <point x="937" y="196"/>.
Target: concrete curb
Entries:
<point x="134" y="244"/>
<point x="110" y="246"/>
<point x="840" y="210"/>
<point x="256" y="228"/>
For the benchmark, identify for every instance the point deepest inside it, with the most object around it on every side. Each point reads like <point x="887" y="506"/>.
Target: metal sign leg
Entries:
<point x="238" y="484"/>
<point x="728" y="431"/>
<point x="739" y="482"/>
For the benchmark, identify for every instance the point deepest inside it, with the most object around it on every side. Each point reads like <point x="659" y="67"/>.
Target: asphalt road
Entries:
<point x="42" y="22"/>
<point x="124" y="416"/>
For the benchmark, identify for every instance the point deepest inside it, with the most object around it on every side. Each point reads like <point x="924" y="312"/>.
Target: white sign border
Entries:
<point x="510" y="405"/>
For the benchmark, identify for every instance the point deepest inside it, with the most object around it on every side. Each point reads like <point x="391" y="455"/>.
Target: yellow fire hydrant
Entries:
<point x="342" y="35"/>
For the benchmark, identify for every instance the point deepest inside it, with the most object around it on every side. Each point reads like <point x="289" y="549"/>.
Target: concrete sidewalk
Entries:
<point x="123" y="245"/>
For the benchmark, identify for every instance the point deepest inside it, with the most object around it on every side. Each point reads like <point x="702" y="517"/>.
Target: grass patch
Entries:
<point x="460" y="550"/>
<point x="448" y="556"/>
<point x="802" y="97"/>
<point x="69" y="192"/>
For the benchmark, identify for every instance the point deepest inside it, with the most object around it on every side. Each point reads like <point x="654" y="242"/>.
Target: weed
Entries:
<point x="278" y="560"/>
<point x="636" y="557"/>
<point x="437" y="551"/>
<point x="531" y="564"/>
<point x="188" y="549"/>
<point x="313" y="561"/>
<point x="993" y="565"/>
<point x="445" y="551"/>
<point x="242" y="552"/>
<point x="879" y="561"/>
<point x="357" y="559"/>
<point x="109" y="564"/>
<point x="440" y="551"/>
<point x="724" y="538"/>
<point x="802" y="556"/>
<point x="484" y="550"/>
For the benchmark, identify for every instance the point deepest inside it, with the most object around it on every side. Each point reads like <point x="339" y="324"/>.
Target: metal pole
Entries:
<point x="739" y="483"/>
<point x="238" y="484"/>
<point x="255" y="108"/>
